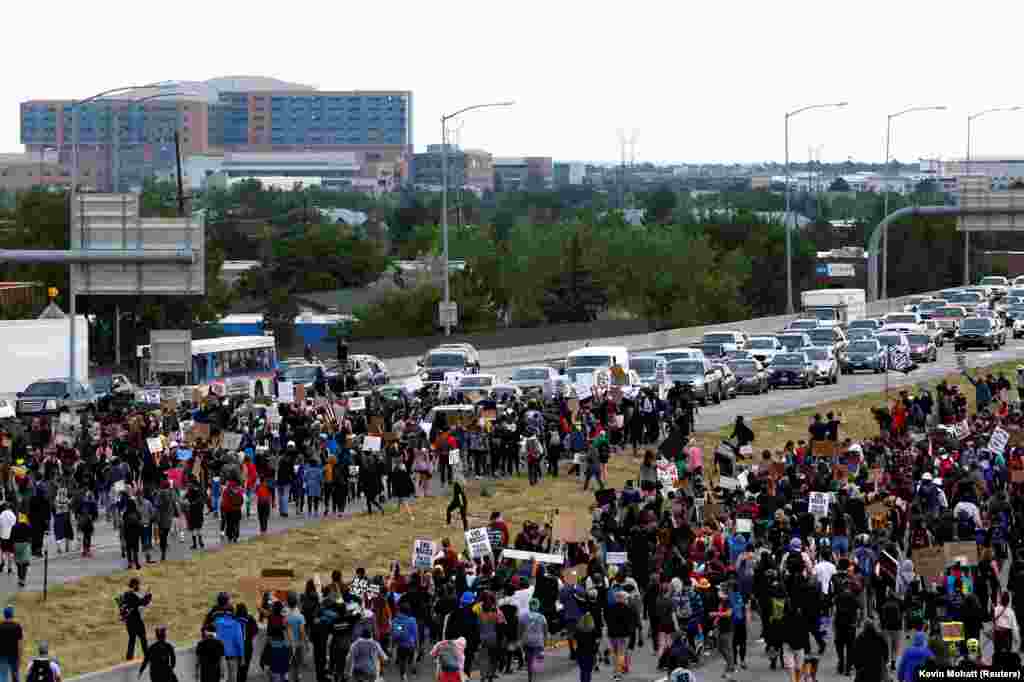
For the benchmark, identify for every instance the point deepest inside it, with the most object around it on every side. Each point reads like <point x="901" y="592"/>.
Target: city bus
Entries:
<point x="242" y="365"/>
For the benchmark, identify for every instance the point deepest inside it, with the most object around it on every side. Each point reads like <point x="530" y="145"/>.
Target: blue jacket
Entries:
<point x="229" y="631"/>
<point x="404" y="631"/>
<point x="572" y="612"/>
<point x="982" y="393"/>
<point x="914" y="657"/>
<point x="314" y="476"/>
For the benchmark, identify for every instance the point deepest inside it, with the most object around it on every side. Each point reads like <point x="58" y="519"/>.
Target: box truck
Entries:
<point x="834" y="307"/>
<point x="38" y="349"/>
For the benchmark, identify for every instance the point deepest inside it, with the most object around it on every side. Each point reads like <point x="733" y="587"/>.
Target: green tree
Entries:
<point x="660" y="205"/>
<point x="573" y="295"/>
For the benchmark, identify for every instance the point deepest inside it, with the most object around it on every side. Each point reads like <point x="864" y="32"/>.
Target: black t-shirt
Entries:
<point x="10" y="635"/>
<point x="210" y="652"/>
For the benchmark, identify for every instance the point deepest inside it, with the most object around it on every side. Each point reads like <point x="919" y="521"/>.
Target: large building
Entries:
<point x="126" y="139"/>
<point x="467" y="168"/>
<point x="523" y="173"/>
<point x="570" y="173"/>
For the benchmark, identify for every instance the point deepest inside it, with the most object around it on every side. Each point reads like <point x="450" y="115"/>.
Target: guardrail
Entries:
<point x="501" y="358"/>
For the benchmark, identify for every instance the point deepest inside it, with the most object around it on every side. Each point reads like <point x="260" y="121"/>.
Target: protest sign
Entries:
<point x="824" y="448"/>
<point x="478" y="543"/>
<point x="930" y="562"/>
<point x="372" y="443"/>
<point x="151" y="396"/>
<point x="817" y="504"/>
<point x="617" y="558"/>
<point x="286" y="391"/>
<point x="728" y="482"/>
<point x="452" y="378"/>
<point x="357" y="404"/>
<point x="423" y="552"/>
<point x="359" y="586"/>
<point x="353" y="470"/>
<point x="232" y="441"/>
<point x="539" y="557"/>
<point x="155" y="445"/>
<point x="952" y="631"/>
<point x="274" y="580"/>
<point x="997" y="443"/>
<point x="454" y="458"/>
<point x="744" y="526"/>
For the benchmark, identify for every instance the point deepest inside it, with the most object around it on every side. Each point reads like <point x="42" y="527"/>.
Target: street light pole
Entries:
<point x="786" y="218"/>
<point x="444" y="201"/>
<point x="885" y="201"/>
<point x="967" y="234"/>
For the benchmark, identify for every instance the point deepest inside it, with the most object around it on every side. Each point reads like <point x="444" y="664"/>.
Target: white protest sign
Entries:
<point x="728" y="482"/>
<point x="478" y="543"/>
<point x="357" y="404"/>
<point x="232" y="441"/>
<point x="151" y="396"/>
<point x="371" y="443"/>
<point x="423" y="552"/>
<point x="155" y="445"/>
<point x="744" y="526"/>
<point x="454" y="458"/>
<point x="286" y="391"/>
<point x="539" y="557"/>
<point x="617" y="558"/>
<point x="353" y="470"/>
<point x="667" y="473"/>
<point x="997" y="443"/>
<point x="359" y="586"/>
<point x="817" y="504"/>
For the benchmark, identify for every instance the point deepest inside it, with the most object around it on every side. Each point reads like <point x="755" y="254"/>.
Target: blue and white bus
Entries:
<point x="242" y="365"/>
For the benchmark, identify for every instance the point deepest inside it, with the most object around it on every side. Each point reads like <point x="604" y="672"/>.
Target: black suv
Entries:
<point x="976" y="332"/>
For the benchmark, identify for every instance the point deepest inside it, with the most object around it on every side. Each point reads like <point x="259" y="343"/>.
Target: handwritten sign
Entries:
<point x="617" y="558"/>
<point x="423" y="552"/>
<point x="997" y="443"/>
<point x="744" y="526"/>
<point x="817" y="504"/>
<point x="353" y="470"/>
<point x="372" y="443"/>
<point x="539" y="557"/>
<point x="359" y="586"/>
<point x="151" y="396"/>
<point x="357" y="404"/>
<point x="286" y="391"/>
<point x="478" y="543"/>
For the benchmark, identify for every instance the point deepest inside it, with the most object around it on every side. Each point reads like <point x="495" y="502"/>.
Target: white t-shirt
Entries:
<point x="823" y="571"/>
<point x="7" y="521"/>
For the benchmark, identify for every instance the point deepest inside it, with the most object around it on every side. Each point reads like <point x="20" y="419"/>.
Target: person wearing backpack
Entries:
<point x="847" y="608"/>
<point x="451" y="659"/>
<point x="231" y="505"/>
<point x="891" y="620"/>
<point x="364" y="657"/>
<point x="405" y="634"/>
<point x="43" y="668"/>
<point x="160" y="659"/>
<point x="535" y="635"/>
<point x="491" y="621"/>
<point x="621" y="626"/>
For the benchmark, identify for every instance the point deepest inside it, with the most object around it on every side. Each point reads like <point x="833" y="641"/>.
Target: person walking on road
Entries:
<point x="12" y="646"/>
<point x="160" y="659"/>
<point x="131" y="605"/>
<point x="209" y="655"/>
<point x="7" y="521"/>
<point x="195" y="509"/>
<point x="43" y="668"/>
<point x="166" y="511"/>
<point x="21" y="542"/>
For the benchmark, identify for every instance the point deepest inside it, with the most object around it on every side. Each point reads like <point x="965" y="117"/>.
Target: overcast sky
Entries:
<point x="700" y="81"/>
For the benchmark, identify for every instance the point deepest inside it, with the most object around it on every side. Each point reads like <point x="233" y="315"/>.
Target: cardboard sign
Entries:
<point x="617" y="558"/>
<point x="744" y="526"/>
<point x="286" y="391"/>
<point x="423" y="552"/>
<point x="817" y="504"/>
<point x="372" y="443"/>
<point x="454" y="458"/>
<point x="357" y="404"/>
<point x="930" y="562"/>
<point x="539" y="557"/>
<point x="232" y="441"/>
<point x="824" y="448"/>
<point x="999" y="440"/>
<point x="155" y="445"/>
<point x="965" y="553"/>
<point x="478" y="543"/>
<point x="568" y="529"/>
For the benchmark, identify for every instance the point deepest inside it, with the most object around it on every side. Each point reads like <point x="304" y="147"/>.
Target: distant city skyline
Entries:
<point x="701" y="83"/>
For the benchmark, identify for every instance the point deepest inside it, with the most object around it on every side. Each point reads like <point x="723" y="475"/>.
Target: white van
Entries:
<point x="596" y="357"/>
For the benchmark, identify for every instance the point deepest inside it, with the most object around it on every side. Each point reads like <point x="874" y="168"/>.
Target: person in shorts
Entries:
<point x="7" y="521"/>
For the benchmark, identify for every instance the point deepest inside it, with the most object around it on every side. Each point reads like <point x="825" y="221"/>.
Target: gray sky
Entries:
<point x="700" y="81"/>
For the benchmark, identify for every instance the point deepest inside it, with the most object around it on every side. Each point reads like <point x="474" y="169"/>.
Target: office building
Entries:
<point x="570" y="174"/>
<point x="523" y="173"/>
<point x="467" y="168"/>
<point x="221" y="116"/>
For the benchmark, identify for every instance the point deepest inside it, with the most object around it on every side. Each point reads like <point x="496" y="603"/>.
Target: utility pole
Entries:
<point x="181" y="192"/>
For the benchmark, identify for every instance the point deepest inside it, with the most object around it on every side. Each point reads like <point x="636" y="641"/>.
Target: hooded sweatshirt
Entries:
<point x="914" y="657"/>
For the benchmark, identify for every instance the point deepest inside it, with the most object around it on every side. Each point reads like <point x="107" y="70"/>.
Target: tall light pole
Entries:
<point x="967" y="235"/>
<point x="446" y="320"/>
<point x="885" y="201"/>
<point x="789" y="237"/>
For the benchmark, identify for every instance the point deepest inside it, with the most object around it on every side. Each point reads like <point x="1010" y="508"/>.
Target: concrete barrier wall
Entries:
<point x="514" y="356"/>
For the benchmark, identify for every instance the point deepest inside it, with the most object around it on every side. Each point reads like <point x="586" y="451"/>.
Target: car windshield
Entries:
<point x="863" y="347"/>
<point x="592" y="361"/>
<point x="103" y="384"/>
<point x="789" y="360"/>
<point x="529" y="374"/>
<point x="994" y="281"/>
<point x="686" y="367"/>
<point x="919" y="339"/>
<point x="719" y="338"/>
<point x="744" y="369"/>
<point x="823" y="314"/>
<point x="822" y="336"/>
<point x="678" y="355"/>
<point x="931" y="305"/>
<point x="302" y="374"/>
<point x="48" y="388"/>
<point x="818" y="354"/>
<point x="900" y="319"/>
<point x="643" y="365"/>
<point x="476" y="382"/>
<point x="965" y="298"/>
<point x="950" y="312"/>
<point x="975" y="324"/>
<point x="446" y="360"/>
<point x="791" y="341"/>
<point x="763" y="344"/>
<point x="890" y="339"/>
<point x="861" y="334"/>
